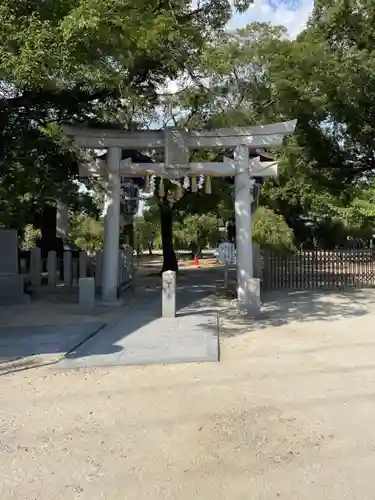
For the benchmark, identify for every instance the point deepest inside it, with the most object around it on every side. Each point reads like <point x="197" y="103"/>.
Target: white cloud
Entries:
<point x="293" y="14"/>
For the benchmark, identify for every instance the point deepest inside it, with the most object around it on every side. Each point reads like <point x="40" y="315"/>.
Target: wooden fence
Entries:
<point x="317" y="269"/>
<point x="53" y="272"/>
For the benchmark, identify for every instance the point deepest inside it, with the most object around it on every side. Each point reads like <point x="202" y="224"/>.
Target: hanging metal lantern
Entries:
<point x="129" y="193"/>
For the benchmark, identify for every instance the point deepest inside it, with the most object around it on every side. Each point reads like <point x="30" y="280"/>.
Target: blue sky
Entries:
<point x="293" y="14"/>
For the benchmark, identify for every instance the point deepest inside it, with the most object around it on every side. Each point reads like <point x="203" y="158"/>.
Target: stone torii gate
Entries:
<point x="177" y="144"/>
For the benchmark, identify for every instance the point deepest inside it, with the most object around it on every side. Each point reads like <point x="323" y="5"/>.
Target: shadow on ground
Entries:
<point x="200" y="292"/>
<point x="287" y="307"/>
<point x="278" y="308"/>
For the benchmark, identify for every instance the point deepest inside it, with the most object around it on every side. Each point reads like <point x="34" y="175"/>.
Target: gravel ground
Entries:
<point x="288" y="413"/>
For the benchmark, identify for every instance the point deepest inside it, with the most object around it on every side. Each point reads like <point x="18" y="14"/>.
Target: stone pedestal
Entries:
<point x="11" y="282"/>
<point x="169" y="294"/>
<point x="68" y="269"/>
<point x="253" y="297"/>
<point x="87" y="293"/>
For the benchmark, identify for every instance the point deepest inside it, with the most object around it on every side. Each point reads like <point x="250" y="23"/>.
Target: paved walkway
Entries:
<point x="130" y="334"/>
<point x="142" y="336"/>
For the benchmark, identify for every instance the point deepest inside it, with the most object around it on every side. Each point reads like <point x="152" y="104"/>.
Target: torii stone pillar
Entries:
<point x="242" y="206"/>
<point x="111" y="226"/>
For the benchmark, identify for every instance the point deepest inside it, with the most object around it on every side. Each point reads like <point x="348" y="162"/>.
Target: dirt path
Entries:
<point x="288" y="413"/>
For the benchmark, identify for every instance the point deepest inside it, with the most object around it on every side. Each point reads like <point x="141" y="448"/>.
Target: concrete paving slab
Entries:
<point x="45" y="340"/>
<point x="184" y="339"/>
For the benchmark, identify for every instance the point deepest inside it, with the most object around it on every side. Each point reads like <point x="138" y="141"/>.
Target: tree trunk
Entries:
<point x="195" y="249"/>
<point x="231" y="231"/>
<point x="169" y="255"/>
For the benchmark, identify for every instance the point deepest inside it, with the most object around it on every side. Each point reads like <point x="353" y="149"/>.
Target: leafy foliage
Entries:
<point x="86" y="232"/>
<point x="270" y="231"/>
<point x="147" y="232"/>
<point x="29" y="237"/>
<point x="197" y="231"/>
<point x="78" y="61"/>
<point x="104" y="62"/>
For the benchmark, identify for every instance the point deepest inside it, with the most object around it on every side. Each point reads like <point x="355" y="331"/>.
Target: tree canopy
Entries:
<point x="106" y="63"/>
<point x="74" y="61"/>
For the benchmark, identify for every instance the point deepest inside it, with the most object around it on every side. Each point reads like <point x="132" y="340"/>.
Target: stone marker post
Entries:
<point x="36" y="267"/>
<point x="169" y="294"/>
<point x="98" y="268"/>
<point x="51" y="268"/>
<point x="68" y="278"/>
<point x="11" y="281"/>
<point x="87" y="293"/>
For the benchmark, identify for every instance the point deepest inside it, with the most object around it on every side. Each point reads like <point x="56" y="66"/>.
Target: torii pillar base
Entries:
<point x="253" y="297"/>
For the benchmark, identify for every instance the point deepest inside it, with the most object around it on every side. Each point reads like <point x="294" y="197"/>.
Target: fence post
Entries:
<point x="36" y="266"/>
<point x="256" y="260"/>
<point x="68" y="278"/>
<point x="120" y="268"/>
<point x="126" y="265"/>
<point x="266" y="269"/>
<point x="75" y="274"/>
<point x="130" y="264"/>
<point x="51" y="268"/>
<point x="98" y="268"/>
<point x="82" y="264"/>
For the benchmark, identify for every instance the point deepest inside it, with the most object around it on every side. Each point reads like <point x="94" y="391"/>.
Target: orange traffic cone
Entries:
<point x="196" y="261"/>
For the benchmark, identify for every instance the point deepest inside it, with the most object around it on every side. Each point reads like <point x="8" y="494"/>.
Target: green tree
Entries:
<point x="147" y="232"/>
<point x="86" y="232"/>
<point x="226" y="88"/>
<point x="29" y="237"/>
<point x="271" y="231"/>
<point x="79" y="61"/>
<point x="230" y="84"/>
<point x="197" y="231"/>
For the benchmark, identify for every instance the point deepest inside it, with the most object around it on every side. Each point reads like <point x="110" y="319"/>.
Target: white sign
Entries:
<point x="226" y="252"/>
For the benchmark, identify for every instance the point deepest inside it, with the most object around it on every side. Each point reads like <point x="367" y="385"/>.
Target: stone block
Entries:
<point x="98" y="269"/>
<point x="11" y="282"/>
<point x="169" y="294"/>
<point x="12" y="290"/>
<point x="9" y="251"/>
<point x="82" y="264"/>
<point x="176" y="151"/>
<point x="87" y="293"/>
